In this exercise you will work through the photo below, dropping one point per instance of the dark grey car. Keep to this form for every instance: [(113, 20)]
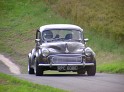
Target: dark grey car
[(61, 47)]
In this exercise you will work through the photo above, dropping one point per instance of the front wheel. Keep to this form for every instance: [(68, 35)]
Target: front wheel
[(91, 70), (30, 69), (38, 69)]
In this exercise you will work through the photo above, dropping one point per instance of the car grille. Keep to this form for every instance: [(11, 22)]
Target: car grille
[(66, 59)]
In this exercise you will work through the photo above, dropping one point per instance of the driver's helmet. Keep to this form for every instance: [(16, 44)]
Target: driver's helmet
[(47, 34)]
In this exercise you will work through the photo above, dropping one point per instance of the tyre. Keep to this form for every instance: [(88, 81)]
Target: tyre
[(30, 69), (38, 69), (91, 70)]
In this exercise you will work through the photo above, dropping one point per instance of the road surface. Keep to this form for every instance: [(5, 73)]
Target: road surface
[(100, 83)]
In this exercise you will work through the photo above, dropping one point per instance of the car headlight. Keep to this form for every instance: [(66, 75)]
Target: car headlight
[(45, 52), (88, 52)]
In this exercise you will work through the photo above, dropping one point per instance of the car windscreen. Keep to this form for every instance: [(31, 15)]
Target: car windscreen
[(61, 35)]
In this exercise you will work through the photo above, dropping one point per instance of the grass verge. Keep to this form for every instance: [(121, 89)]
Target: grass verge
[(12, 84), (103, 16), (115, 67)]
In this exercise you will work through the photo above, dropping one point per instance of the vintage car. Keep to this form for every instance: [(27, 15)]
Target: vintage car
[(61, 47)]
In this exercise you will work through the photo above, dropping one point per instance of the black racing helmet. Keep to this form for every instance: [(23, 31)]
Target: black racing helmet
[(47, 34)]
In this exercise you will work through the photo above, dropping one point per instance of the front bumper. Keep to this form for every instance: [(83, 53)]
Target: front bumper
[(82, 64)]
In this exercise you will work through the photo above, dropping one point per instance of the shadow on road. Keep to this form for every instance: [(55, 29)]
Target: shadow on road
[(64, 75)]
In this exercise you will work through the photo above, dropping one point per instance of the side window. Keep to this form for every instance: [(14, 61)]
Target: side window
[(38, 36)]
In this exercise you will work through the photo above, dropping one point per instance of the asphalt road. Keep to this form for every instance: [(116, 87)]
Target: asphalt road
[(74, 83)]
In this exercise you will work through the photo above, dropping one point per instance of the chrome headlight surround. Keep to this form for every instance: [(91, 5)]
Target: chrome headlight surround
[(88, 52), (45, 52)]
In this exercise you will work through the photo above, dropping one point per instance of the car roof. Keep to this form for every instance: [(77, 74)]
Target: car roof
[(59, 26)]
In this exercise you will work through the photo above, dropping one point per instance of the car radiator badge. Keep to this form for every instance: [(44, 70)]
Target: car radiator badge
[(66, 48)]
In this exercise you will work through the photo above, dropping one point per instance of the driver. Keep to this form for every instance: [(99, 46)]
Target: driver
[(47, 35)]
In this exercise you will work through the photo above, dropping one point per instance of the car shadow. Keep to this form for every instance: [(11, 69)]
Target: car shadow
[(64, 75)]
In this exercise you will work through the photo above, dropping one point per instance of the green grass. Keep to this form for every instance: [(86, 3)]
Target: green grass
[(13, 84), (103, 16), (115, 67), (19, 20)]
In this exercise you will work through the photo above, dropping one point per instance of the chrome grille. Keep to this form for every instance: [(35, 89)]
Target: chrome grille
[(66, 59)]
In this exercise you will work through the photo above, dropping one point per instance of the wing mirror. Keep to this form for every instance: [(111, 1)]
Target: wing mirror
[(37, 40), (86, 40)]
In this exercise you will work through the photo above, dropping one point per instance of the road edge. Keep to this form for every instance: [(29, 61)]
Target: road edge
[(12, 66)]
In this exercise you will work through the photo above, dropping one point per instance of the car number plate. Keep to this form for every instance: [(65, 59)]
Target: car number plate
[(67, 67), (72, 67)]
